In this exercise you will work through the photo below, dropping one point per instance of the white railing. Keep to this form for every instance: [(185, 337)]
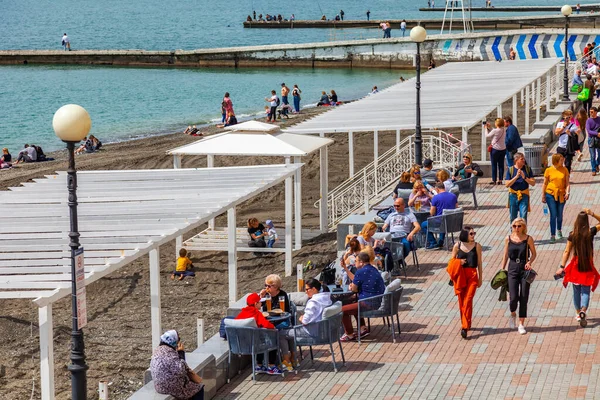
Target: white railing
[(375, 181)]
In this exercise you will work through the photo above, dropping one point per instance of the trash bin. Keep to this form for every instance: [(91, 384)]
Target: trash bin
[(536, 157)]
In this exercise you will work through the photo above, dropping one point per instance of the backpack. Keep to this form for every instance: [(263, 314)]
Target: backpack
[(277, 101), (222, 332), (328, 274)]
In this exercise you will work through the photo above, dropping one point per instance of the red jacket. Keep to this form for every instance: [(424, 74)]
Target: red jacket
[(572, 274), (457, 275), (252, 312)]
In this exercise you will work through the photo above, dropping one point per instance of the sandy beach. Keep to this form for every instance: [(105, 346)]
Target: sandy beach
[(118, 335)]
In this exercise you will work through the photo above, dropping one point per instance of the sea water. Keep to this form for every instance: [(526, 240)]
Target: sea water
[(126, 103)]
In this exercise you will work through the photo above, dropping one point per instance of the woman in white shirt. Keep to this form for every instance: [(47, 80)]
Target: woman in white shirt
[(566, 130), (497, 149)]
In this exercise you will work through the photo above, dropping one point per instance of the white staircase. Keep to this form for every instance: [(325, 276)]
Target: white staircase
[(376, 181)]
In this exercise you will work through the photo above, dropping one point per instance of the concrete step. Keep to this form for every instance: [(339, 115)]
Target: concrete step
[(540, 135)]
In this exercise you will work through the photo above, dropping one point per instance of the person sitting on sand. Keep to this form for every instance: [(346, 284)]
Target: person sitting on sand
[(28, 154), (257, 233), (184, 266), (191, 130), (324, 99), (231, 119), (333, 98), (5, 159)]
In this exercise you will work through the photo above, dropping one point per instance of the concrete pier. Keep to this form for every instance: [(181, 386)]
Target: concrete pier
[(584, 8), (395, 53), (516, 22)]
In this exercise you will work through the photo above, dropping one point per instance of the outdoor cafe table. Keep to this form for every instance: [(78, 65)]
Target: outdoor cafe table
[(422, 214), (279, 318)]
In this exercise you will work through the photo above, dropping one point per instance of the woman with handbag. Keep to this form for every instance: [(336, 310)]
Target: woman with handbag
[(566, 130), (519, 253), (468, 251), (581, 271), (497, 149), (555, 192)]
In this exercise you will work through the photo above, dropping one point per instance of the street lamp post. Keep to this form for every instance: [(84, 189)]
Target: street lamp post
[(566, 10), (71, 124), (418, 34)]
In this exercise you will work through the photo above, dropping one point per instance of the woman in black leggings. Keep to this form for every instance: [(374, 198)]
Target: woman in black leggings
[(519, 252)]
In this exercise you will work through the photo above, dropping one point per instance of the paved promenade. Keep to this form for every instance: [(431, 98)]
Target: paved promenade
[(556, 359)]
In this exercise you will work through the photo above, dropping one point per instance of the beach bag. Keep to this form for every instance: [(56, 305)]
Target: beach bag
[(576, 88), (584, 95), (383, 214), (328, 274)]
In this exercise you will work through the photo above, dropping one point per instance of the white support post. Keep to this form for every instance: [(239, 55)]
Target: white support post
[(538, 99), (298, 205), (176, 161), (483, 143), (155, 296), (210, 163), (232, 255), (46, 352), (351, 154), (548, 91), (365, 192), (397, 140), (288, 225), (556, 85), (375, 147), (178, 245), (324, 208), (532, 92), (527, 97), (465, 135), (514, 110), (499, 111), (522, 101), (200, 331)]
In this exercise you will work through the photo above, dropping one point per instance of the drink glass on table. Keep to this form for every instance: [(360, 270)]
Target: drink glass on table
[(268, 301), (417, 205), (282, 303), (301, 284)]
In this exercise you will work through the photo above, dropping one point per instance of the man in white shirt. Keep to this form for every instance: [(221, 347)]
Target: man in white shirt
[(272, 117), (403, 225), (65, 42), (403, 27), (28, 154)]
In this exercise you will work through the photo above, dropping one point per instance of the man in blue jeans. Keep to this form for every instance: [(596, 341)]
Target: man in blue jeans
[(512, 142), (441, 201), (519, 179), (403, 225)]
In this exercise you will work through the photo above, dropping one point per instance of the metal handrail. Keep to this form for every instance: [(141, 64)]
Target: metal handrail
[(375, 181)]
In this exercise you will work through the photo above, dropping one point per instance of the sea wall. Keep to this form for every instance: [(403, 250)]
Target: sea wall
[(371, 53)]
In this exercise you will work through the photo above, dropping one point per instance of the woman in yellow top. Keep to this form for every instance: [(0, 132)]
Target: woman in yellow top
[(555, 193)]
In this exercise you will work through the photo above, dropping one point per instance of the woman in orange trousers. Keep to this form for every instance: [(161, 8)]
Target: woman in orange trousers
[(469, 252)]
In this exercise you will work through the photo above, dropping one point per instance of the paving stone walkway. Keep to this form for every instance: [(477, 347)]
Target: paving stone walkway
[(556, 359)]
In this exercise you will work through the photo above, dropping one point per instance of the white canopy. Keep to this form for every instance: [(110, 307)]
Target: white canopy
[(454, 95), (253, 126), (123, 215), (253, 144)]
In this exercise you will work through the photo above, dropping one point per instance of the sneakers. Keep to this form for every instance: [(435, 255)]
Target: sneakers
[(463, 333), (287, 366), (580, 157), (260, 369), (274, 370), (582, 321), (522, 330), (512, 321), (559, 235), (347, 338), (364, 332), (578, 318), (552, 239)]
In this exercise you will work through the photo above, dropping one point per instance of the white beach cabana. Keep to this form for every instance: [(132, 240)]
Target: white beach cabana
[(123, 215), (254, 138), (455, 95)]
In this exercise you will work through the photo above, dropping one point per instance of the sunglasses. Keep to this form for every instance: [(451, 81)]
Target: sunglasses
[(517, 226), (471, 233), (269, 286), (306, 289)]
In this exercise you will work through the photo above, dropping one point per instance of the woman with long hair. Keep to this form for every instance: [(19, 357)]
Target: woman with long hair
[(580, 121), (348, 260), (415, 173), (420, 193), (581, 271), (498, 149), (469, 252), (555, 193), (365, 236), (519, 254)]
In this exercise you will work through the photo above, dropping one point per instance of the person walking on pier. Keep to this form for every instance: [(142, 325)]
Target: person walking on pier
[(66, 43), (403, 27), (513, 141), (519, 178), (497, 149), (592, 126), (555, 193), (342, 14), (368, 15)]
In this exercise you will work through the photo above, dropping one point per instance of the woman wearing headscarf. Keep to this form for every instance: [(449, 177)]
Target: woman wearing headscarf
[(170, 373)]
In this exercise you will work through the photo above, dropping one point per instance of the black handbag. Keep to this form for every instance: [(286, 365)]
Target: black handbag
[(529, 276), (595, 142), (328, 274)]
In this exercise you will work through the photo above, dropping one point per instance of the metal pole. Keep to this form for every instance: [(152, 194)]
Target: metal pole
[(77, 367), (418, 140), (566, 73)]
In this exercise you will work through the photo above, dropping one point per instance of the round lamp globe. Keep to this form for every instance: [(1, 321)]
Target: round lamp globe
[(566, 10), (71, 123), (418, 34)]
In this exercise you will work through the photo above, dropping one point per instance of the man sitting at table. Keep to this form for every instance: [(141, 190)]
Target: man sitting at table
[(367, 282), (441, 201), (403, 225)]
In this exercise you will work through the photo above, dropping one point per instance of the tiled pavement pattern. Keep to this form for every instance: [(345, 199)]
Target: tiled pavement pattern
[(556, 359)]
